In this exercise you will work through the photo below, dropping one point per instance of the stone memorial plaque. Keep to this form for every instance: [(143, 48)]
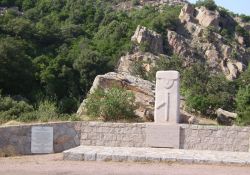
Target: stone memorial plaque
[(41, 140), (167, 98), (163, 135)]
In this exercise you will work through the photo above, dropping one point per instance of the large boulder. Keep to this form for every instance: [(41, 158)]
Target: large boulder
[(225, 117), (207, 17), (201, 15), (187, 14), (127, 62), (142, 89), (180, 46), (150, 38)]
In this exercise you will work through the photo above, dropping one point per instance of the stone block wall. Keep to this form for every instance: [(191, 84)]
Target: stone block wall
[(16, 140), (113, 134), (219, 138)]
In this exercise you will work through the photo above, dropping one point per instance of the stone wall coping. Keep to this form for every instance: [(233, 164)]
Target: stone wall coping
[(39, 124), (215, 127), (90, 123), (93, 123)]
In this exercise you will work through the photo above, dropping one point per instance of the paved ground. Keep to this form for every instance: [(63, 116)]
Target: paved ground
[(54, 165), (133, 154)]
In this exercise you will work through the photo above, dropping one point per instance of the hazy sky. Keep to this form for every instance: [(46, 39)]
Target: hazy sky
[(239, 6)]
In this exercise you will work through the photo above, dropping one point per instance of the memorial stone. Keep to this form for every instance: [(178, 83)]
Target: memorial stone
[(167, 96)]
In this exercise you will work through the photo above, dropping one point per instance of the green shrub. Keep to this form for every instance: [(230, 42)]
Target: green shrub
[(243, 105), (11, 109), (144, 47), (245, 34), (209, 4), (139, 70), (206, 92), (135, 2), (47, 111), (112, 105), (172, 63), (245, 18)]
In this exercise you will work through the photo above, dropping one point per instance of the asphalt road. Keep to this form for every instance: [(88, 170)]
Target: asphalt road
[(54, 165)]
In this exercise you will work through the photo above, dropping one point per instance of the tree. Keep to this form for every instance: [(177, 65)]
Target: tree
[(16, 69), (209, 4), (243, 105)]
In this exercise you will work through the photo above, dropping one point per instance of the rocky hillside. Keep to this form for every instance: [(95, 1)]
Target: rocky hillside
[(212, 37), (51, 52)]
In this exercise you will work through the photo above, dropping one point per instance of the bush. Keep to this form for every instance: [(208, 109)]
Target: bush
[(172, 63), (135, 2), (46, 111), (209, 4), (245, 34), (205, 92), (12, 110), (245, 18), (112, 105), (243, 105), (139, 70)]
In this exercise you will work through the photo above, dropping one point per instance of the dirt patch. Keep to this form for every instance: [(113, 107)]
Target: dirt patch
[(53, 164)]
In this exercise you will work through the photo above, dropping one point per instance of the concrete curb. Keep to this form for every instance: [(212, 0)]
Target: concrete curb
[(133, 154)]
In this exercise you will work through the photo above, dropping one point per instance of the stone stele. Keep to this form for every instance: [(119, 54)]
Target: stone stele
[(167, 97)]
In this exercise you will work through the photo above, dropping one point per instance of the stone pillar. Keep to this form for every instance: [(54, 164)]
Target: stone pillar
[(167, 97)]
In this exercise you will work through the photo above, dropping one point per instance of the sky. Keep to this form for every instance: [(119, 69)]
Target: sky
[(239, 6)]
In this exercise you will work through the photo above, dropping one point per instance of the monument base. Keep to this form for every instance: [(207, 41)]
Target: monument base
[(163, 135)]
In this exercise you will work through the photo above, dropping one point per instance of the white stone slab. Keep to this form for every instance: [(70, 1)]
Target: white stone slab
[(41, 140), (167, 97), (163, 135)]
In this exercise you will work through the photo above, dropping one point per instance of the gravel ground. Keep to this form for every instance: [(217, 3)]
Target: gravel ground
[(54, 165)]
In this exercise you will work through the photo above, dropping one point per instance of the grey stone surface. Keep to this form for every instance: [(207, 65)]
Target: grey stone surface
[(100, 153), (41, 139), (163, 135), (167, 97), (16, 140), (114, 134)]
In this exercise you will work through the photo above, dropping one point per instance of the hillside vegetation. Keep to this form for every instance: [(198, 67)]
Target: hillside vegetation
[(51, 51)]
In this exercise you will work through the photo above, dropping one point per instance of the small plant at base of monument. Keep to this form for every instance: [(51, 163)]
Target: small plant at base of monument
[(111, 105)]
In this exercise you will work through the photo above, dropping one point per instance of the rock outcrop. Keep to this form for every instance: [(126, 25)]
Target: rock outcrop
[(199, 41), (127, 62), (225, 117), (207, 17), (142, 89), (150, 39)]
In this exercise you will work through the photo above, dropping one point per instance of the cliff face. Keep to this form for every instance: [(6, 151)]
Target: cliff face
[(197, 37), (200, 36)]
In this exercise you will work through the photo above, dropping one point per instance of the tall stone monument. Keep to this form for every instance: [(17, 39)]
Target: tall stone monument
[(165, 131), (167, 97)]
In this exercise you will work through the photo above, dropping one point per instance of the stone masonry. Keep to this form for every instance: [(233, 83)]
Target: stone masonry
[(219, 138), (16, 140), (113, 134)]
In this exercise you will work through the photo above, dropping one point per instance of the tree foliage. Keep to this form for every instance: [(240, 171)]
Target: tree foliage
[(209, 4), (54, 49)]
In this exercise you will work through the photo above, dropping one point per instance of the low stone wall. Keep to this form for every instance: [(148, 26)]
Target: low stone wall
[(219, 138), (113, 134), (197, 137), (16, 140)]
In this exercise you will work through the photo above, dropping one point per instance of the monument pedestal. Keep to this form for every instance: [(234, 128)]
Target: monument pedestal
[(163, 135)]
